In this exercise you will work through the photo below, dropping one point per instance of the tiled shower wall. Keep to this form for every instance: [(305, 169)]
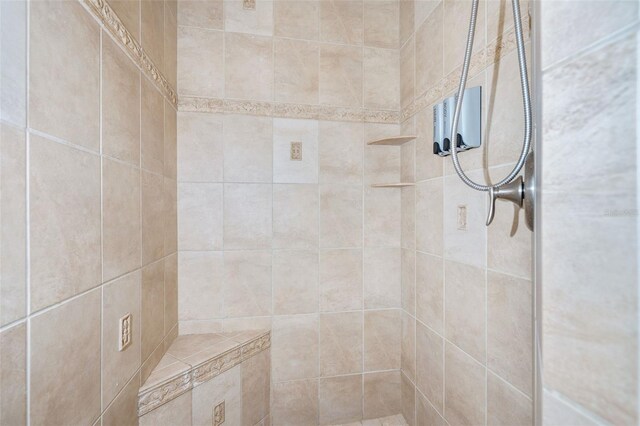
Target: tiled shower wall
[(89, 228), (589, 53), (306, 247), (467, 354)]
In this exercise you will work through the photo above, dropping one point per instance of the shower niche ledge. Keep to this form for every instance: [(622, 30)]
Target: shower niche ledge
[(217, 374), (393, 140)]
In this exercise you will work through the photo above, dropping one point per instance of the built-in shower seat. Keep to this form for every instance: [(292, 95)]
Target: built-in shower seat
[(202, 376)]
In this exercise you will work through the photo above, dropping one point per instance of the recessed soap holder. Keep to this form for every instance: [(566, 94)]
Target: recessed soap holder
[(469, 123)]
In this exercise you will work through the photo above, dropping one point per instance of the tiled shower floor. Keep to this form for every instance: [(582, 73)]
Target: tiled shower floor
[(397, 420)]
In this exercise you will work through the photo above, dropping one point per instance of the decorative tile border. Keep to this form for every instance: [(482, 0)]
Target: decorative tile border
[(479, 61), (176, 386), (275, 109), (105, 14)]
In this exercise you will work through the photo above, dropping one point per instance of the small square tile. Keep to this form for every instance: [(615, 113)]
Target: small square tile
[(286, 131)]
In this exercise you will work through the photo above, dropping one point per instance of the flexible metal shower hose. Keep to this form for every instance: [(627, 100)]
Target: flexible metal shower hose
[(526, 98)]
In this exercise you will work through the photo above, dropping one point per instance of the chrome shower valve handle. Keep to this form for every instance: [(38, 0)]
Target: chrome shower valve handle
[(513, 191)]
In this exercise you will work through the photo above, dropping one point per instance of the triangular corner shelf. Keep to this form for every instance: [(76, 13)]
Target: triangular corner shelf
[(393, 141)]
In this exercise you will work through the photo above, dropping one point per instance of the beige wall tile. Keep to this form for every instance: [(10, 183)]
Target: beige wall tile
[(381, 87), (152, 29), (340, 280), (200, 62), (509, 329), (340, 343), (248, 148), (256, 391), (340, 216), (120, 104), (340, 151), (200, 147), (48, 43), (408, 348), (247, 213), (381, 24), (408, 281), (509, 240), (341, 21), (296, 19), (253, 21), (558, 412), (153, 214), (465, 308), (65, 237), (79, 382), (247, 283), (340, 399), (430, 291), (124, 409), (599, 236), (340, 75), (13, 225), (382, 395), (407, 14), (465, 244), (500, 17), (295, 216), (13, 105), (120, 297), (407, 70), (408, 218), (454, 44), (505, 405), (248, 66), (382, 217), (170, 292), (152, 305), (170, 201), (464, 388), (13, 373), (152, 128), (286, 170), (129, 13), (171, 42), (504, 112), (425, 413), (175, 412), (430, 365), (295, 281), (170, 141), (295, 347), (587, 26), (227, 388), (382, 340), (382, 274), (408, 398), (200, 216), (381, 163), (203, 14), (296, 67), (121, 224), (295, 403), (429, 216), (429, 51), (201, 278)]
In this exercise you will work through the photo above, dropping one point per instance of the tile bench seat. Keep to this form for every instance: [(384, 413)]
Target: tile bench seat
[(194, 359)]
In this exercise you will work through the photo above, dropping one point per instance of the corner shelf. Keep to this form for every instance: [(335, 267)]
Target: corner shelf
[(392, 185), (392, 141)]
